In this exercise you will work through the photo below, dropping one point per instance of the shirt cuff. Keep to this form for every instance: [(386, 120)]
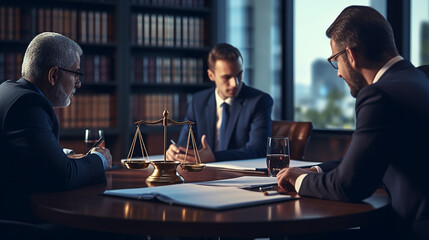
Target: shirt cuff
[(68, 151), (103, 159), (298, 182), (318, 169)]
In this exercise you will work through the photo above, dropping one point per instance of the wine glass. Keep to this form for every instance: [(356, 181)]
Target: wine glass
[(278, 156), (91, 137)]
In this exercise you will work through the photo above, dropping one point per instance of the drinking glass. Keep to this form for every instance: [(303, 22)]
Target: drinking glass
[(91, 137), (277, 154)]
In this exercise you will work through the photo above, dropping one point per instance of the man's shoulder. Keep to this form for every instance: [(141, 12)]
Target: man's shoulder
[(17, 92), (201, 97), (248, 93)]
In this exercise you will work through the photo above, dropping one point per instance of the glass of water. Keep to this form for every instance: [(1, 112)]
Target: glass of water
[(278, 156)]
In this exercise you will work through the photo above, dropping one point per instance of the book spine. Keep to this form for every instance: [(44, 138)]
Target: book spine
[(97, 27), (104, 27), (160, 27), (146, 32), (90, 23), (185, 33), (178, 31), (153, 30), (83, 25), (2, 22)]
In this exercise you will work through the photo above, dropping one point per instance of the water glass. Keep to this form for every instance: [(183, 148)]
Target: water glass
[(278, 156)]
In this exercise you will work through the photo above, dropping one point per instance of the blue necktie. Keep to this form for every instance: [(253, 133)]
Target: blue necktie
[(223, 126)]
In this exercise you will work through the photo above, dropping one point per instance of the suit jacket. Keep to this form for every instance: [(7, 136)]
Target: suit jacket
[(249, 124), (32, 161), (390, 146)]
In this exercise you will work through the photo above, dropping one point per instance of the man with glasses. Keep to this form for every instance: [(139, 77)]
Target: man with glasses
[(390, 146), (32, 161)]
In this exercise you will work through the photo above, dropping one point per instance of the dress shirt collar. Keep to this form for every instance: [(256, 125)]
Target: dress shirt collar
[(219, 100), (386, 67)]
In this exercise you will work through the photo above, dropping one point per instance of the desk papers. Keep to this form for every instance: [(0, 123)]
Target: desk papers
[(258, 164), (201, 196), (242, 182)]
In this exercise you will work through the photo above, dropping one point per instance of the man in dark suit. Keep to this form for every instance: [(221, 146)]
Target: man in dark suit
[(390, 145), (232, 120), (32, 161)]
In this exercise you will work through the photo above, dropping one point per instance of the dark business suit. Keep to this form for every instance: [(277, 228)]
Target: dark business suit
[(32, 160), (249, 124), (390, 146)]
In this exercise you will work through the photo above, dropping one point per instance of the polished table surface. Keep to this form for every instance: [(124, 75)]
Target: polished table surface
[(85, 208)]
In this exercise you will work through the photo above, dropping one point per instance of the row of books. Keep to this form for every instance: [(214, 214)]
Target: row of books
[(150, 107), (13, 25), (171, 3), (89, 111), (97, 68), (164, 70), (80, 25), (167, 30), (83, 26), (10, 65)]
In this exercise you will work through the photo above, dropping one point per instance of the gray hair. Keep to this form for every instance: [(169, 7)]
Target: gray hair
[(46, 50)]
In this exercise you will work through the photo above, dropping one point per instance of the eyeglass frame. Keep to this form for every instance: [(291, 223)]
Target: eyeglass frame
[(77, 74), (334, 56)]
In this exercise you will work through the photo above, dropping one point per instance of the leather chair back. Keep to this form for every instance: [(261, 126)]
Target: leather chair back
[(298, 134)]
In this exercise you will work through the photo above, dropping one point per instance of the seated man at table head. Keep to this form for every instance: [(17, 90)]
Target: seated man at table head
[(390, 144), (32, 161), (232, 119)]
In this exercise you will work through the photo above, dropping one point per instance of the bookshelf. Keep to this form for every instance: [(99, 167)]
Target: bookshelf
[(139, 57)]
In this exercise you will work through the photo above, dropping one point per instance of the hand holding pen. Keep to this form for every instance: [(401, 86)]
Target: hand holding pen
[(97, 144)]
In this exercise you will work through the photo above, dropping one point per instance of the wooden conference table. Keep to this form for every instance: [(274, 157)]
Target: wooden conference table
[(84, 208)]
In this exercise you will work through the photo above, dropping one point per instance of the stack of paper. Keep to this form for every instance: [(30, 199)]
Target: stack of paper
[(215, 195)]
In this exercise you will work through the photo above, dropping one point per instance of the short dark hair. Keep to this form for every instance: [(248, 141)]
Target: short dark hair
[(364, 29), (223, 51)]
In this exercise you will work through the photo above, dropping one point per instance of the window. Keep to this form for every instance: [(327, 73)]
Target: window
[(254, 28), (319, 95), (420, 32)]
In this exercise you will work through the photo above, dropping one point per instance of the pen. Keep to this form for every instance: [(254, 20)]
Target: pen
[(270, 193), (100, 140), (266, 188), (173, 142)]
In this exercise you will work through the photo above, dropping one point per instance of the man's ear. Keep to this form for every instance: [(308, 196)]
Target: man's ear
[(353, 57), (53, 75), (211, 75)]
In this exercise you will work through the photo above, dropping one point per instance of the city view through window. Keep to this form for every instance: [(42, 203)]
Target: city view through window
[(320, 96)]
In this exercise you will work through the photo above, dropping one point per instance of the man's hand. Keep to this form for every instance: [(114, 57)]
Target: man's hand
[(106, 153), (287, 176), (176, 153), (206, 153)]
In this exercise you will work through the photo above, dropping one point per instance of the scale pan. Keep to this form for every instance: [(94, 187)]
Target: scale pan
[(136, 164), (187, 167)]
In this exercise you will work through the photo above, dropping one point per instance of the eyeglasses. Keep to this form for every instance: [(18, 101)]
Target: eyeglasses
[(77, 75), (334, 63)]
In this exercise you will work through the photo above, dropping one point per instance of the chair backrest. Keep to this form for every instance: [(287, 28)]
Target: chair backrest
[(298, 134)]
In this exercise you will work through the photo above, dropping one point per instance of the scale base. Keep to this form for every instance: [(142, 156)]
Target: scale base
[(165, 172)]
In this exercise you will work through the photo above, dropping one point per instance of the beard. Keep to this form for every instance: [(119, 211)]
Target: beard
[(61, 98), (355, 81)]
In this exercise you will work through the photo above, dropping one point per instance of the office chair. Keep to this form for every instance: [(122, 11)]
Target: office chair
[(298, 134)]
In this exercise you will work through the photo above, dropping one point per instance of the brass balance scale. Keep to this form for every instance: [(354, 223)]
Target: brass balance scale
[(164, 171)]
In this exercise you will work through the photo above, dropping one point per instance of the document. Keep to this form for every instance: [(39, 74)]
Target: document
[(258, 164), (201, 196), (242, 182)]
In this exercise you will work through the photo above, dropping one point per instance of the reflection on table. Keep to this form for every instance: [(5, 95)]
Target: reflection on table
[(85, 208)]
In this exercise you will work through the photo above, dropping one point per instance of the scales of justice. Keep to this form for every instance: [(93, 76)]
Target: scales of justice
[(164, 171)]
